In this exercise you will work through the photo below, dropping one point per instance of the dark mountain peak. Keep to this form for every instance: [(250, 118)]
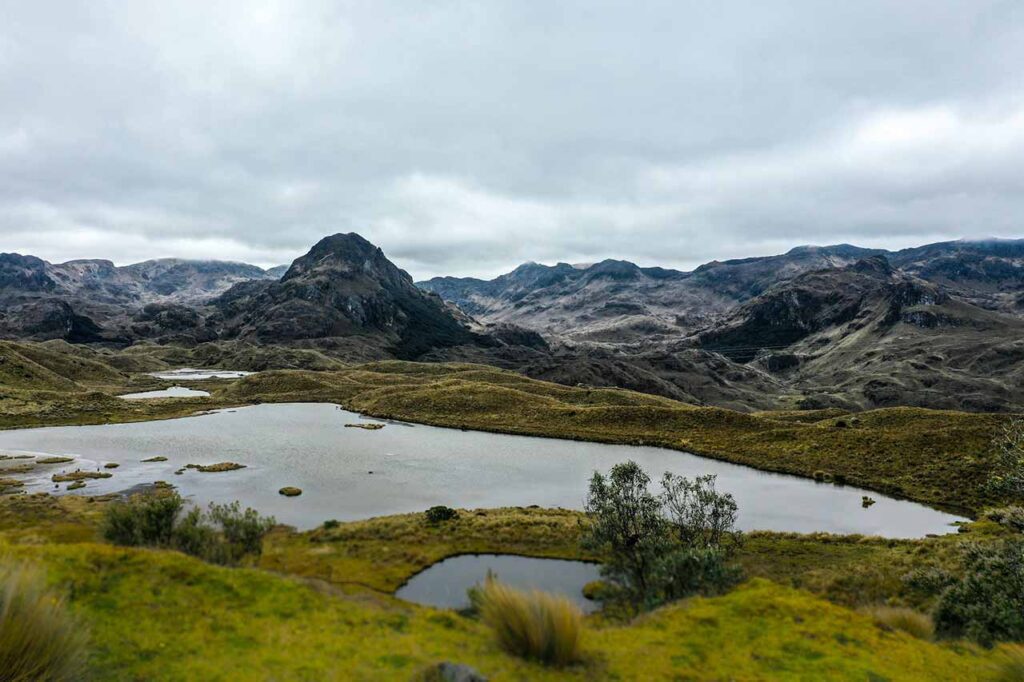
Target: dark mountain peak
[(26, 273), (614, 269), (873, 265), (345, 255)]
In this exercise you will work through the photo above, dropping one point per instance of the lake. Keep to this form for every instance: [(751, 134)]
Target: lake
[(444, 584), (172, 392), (353, 473)]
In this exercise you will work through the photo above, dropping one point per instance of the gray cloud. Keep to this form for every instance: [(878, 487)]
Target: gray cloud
[(465, 137)]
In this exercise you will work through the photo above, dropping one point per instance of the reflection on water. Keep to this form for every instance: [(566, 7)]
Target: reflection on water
[(445, 583), (188, 374), (349, 473), (172, 392)]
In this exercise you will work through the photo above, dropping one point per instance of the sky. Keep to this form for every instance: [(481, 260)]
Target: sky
[(466, 137)]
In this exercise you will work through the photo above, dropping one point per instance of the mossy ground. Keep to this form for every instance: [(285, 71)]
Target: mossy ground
[(318, 605), (156, 614), (938, 457)]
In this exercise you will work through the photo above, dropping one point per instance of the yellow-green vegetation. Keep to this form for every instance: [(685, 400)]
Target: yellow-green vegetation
[(158, 614), (158, 458), (39, 640), (215, 468), (912, 622), (290, 491), (54, 460), (938, 457), (533, 625), (75, 476), (368, 427)]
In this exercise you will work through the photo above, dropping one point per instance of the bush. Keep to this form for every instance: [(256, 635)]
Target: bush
[(1008, 471), (987, 603), (39, 640), (1009, 517), (224, 534), (147, 520), (440, 513), (665, 547), (914, 623), (534, 625)]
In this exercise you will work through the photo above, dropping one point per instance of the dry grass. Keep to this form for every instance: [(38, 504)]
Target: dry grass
[(900, 618), (38, 638), (532, 625), (1010, 667)]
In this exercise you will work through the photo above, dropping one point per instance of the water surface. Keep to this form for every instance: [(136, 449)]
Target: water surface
[(172, 392), (189, 374), (350, 473), (445, 583)]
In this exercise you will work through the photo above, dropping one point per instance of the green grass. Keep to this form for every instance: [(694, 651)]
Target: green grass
[(533, 625), (39, 640)]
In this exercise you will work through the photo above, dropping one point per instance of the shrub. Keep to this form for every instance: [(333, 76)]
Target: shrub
[(147, 520), (224, 534), (1009, 517), (912, 622), (1008, 471), (987, 603), (331, 524), (39, 640), (664, 547), (243, 530), (534, 625), (440, 513)]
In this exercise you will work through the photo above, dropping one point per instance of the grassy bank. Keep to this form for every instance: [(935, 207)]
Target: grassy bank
[(937, 457), (320, 607)]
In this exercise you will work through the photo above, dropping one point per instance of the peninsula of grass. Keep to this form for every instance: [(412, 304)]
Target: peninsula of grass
[(937, 457)]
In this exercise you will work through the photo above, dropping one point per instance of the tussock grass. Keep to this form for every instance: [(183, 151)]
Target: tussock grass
[(533, 625), (914, 623), (39, 640), (1010, 666)]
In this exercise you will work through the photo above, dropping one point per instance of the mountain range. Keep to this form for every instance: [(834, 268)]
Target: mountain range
[(940, 325)]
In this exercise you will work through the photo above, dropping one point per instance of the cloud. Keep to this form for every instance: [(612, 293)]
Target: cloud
[(465, 138)]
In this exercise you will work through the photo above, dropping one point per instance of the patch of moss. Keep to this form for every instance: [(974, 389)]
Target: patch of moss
[(215, 468), (78, 476), (54, 460), (158, 458), (368, 427), (290, 491)]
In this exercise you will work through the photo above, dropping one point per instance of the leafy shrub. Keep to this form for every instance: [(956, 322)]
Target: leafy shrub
[(147, 520), (1008, 471), (661, 547), (1009, 517), (331, 524), (534, 625), (224, 534), (912, 622), (440, 513), (39, 640), (987, 603)]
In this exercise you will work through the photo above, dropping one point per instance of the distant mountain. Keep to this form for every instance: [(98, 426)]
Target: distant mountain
[(343, 287), (617, 301)]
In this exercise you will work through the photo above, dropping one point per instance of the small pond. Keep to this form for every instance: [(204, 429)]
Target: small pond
[(189, 374), (172, 392), (355, 473), (445, 583)]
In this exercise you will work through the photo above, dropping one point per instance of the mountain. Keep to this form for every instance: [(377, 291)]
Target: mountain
[(343, 287), (616, 301)]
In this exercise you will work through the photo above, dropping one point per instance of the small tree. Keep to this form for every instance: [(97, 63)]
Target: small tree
[(987, 603), (662, 547), (701, 517), (1008, 474), (628, 527)]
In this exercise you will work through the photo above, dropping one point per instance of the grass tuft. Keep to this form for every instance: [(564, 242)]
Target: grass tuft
[(1010, 667), (533, 625), (39, 640), (914, 623)]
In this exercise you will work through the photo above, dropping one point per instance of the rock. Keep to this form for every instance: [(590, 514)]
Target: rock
[(452, 672), (290, 491)]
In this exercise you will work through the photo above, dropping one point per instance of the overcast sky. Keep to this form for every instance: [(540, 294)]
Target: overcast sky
[(467, 137)]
